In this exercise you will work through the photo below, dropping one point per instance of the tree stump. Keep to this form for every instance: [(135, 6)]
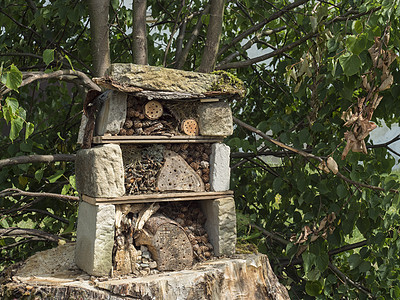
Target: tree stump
[(168, 243)]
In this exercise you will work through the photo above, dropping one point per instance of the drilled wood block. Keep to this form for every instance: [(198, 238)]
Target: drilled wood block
[(168, 243), (153, 110), (177, 175)]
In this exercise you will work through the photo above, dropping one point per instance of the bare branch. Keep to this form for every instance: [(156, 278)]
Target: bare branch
[(270, 235), (26, 159), (139, 32), (345, 278), (348, 247), (27, 232), (268, 138), (250, 43), (17, 192), (260, 25), (242, 64), (308, 156), (30, 77), (44, 212), (209, 56)]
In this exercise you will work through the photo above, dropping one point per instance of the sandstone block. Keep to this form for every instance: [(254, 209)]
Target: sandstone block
[(112, 115), (221, 224), (215, 119), (100, 172), (95, 238), (219, 167)]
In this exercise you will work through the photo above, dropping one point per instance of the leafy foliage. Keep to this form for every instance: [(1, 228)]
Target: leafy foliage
[(297, 95)]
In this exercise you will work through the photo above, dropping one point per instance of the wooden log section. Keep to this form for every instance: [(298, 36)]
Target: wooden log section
[(167, 197), (153, 110), (168, 243)]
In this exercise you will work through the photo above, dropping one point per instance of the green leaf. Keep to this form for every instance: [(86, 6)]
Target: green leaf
[(29, 129), (364, 266), (53, 178), (13, 78), (350, 63), (48, 56), (357, 26), (16, 127), (341, 191), (39, 174), (314, 288), (12, 104), (263, 126), (354, 260)]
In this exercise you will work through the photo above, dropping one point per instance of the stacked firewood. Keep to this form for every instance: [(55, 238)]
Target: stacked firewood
[(191, 218), (197, 156), (138, 122)]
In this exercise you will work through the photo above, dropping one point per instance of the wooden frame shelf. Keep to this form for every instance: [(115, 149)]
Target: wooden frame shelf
[(153, 139), (166, 197)]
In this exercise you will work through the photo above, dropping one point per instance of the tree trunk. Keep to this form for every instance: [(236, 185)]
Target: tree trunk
[(209, 57), (139, 32), (98, 13)]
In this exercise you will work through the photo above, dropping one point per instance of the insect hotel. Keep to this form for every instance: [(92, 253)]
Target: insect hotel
[(154, 183)]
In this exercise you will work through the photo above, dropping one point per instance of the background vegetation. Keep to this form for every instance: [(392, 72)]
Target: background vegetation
[(329, 226)]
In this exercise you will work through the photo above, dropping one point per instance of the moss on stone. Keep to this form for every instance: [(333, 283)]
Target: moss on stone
[(228, 83)]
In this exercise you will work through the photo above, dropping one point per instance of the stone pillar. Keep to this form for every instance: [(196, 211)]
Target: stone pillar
[(100, 171), (221, 224), (220, 171), (95, 238)]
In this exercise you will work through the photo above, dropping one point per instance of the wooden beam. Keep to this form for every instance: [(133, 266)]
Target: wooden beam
[(140, 139), (167, 197)]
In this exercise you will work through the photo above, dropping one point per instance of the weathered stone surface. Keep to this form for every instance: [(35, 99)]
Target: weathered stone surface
[(100, 172), (163, 79), (215, 119), (220, 171), (242, 277), (112, 115), (221, 224), (95, 238)]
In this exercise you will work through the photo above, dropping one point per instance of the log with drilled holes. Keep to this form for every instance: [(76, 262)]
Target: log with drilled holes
[(168, 243)]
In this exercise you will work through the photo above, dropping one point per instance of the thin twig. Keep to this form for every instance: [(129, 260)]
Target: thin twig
[(17, 192), (26, 159), (270, 235), (28, 232)]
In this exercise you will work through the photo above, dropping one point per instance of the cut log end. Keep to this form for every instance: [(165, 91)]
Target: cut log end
[(190, 127), (153, 110)]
